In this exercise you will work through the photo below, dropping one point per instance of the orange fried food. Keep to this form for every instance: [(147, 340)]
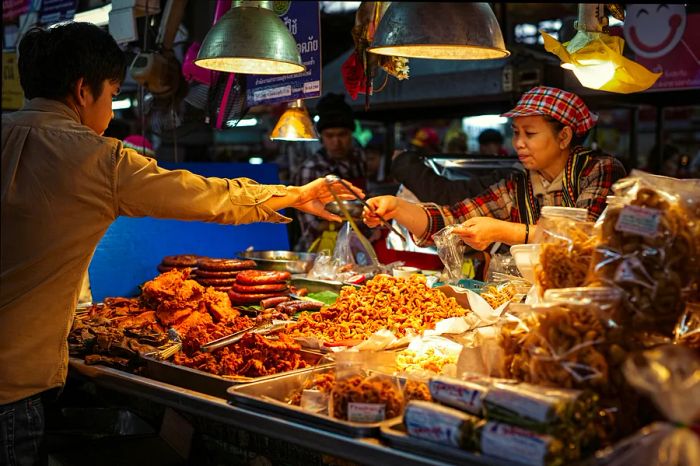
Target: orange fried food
[(252, 356), (397, 304), (138, 320), (201, 332)]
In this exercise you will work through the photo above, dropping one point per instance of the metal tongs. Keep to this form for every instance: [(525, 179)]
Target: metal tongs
[(265, 329), (334, 178)]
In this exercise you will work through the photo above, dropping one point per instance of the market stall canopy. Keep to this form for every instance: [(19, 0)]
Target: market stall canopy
[(442, 86)]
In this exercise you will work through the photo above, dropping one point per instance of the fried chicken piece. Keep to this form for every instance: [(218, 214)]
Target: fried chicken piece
[(136, 321), (219, 305), (172, 286)]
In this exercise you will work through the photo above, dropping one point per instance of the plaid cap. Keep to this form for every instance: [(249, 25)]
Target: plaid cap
[(566, 107)]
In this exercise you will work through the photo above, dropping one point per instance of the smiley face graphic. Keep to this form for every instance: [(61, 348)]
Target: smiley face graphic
[(653, 30)]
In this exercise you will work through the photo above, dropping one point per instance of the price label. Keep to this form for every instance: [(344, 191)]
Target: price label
[(638, 220)]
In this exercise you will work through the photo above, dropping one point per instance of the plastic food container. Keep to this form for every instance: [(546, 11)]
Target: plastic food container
[(526, 256)]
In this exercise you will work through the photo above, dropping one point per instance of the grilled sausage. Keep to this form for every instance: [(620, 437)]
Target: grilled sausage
[(292, 307), (262, 277), (272, 302), (251, 298), (262, 288)]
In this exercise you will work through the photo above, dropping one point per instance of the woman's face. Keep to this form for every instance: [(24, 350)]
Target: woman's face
[(537, 144)]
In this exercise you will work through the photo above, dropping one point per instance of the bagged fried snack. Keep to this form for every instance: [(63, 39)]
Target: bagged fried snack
[(465, 395), (365, 389), (441, 424), (506, 441), (649, 247), (451, 252), (566, 246), (315, 390), (415, 387), (670, 375)]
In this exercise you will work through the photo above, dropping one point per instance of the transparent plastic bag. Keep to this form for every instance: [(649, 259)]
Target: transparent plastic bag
[(566, 247), (366, 389), (325, 267), (687, 332), (314, 391), (352, 247), (650, 248), (670, 376), (451, 251)]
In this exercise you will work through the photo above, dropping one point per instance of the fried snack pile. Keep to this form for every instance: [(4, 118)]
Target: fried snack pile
[(252, 356), (181, 303), (377, 390), (561, 349), (651, 269), (416, 390), (565, 255), (398, 304), (431, 359), (202, 333)]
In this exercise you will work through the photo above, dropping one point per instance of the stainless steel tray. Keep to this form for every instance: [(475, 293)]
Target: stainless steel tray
[(269, 396), (204, 382), (314, 285), (394, 433), (289, 261)]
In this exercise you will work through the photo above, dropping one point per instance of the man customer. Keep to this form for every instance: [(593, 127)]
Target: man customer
[(63, 184)]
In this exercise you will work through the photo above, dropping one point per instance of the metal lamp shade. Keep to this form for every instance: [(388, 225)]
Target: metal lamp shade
[(448, 31), (250, 40), (294, 125)]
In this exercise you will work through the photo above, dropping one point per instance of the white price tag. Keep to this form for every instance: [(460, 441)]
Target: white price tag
[(638, 220), (366, 412)]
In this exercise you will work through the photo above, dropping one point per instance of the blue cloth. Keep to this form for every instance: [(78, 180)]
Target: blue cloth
[(132, 248)]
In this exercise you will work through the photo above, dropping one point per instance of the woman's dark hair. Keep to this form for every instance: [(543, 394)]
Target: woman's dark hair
[(52, 60), (557, 126)]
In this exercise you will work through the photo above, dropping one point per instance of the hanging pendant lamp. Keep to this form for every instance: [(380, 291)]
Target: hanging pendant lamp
[(294, 124), (447, 31), (250, 39)]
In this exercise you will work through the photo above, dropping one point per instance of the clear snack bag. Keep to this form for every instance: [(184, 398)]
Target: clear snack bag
[(365, 389), (650, 248), (451, 252), (566, 248), (670, 376)]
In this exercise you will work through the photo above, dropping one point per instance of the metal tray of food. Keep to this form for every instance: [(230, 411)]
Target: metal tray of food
[(211, 384), (314, 286), (269, 396), (290, 261), (394, 433)]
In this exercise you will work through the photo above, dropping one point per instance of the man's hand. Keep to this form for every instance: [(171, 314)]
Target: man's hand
[(313, 197), (479, 232)]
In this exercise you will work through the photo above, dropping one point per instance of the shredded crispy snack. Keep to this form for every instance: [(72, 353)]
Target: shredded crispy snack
[(431, 359), (371, 390), (398, 304), (565, 255), (416, 390), (496, 295)]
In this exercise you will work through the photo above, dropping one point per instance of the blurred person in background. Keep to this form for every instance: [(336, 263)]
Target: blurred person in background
[(338, 155), (491, 143), (456, 141)]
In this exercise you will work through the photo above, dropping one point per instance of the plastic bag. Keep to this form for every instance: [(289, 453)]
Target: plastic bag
[(366, 389), (352, 247), (650, 248), (502, 265), (687, 332), (325, 267), (566, 247), (451, 250), (670, 375), (314, 391)]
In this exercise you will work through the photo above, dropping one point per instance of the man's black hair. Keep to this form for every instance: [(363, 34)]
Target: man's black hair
[(52, 60)]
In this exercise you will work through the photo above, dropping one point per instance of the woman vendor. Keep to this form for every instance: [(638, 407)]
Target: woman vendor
[(549, 125)]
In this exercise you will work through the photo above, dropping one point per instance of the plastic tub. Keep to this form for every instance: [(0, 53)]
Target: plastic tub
[(526, 256)]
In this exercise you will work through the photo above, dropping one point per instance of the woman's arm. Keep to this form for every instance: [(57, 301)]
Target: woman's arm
[(480, 232), (408, 214)]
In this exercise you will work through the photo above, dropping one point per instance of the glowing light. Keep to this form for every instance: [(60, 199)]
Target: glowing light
[(242, 123), (593, 74), (121, 104), (255, 160)]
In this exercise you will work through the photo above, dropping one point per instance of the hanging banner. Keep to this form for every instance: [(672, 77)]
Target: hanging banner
[(661, 37), (56, 11), (303, 19), (12, 95), (12, 9)]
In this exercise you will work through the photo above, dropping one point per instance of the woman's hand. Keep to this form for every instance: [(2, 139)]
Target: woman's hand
[(479, 232), (386, 206), (313, 197)]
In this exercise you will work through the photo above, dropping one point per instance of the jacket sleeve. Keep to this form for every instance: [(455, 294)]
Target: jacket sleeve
[(142, 188), (409, 169)]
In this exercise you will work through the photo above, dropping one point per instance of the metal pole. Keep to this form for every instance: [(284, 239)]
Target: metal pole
[(633, 142), (658, 163)]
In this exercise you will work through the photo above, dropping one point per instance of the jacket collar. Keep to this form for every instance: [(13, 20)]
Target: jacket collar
[(50, 105)]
